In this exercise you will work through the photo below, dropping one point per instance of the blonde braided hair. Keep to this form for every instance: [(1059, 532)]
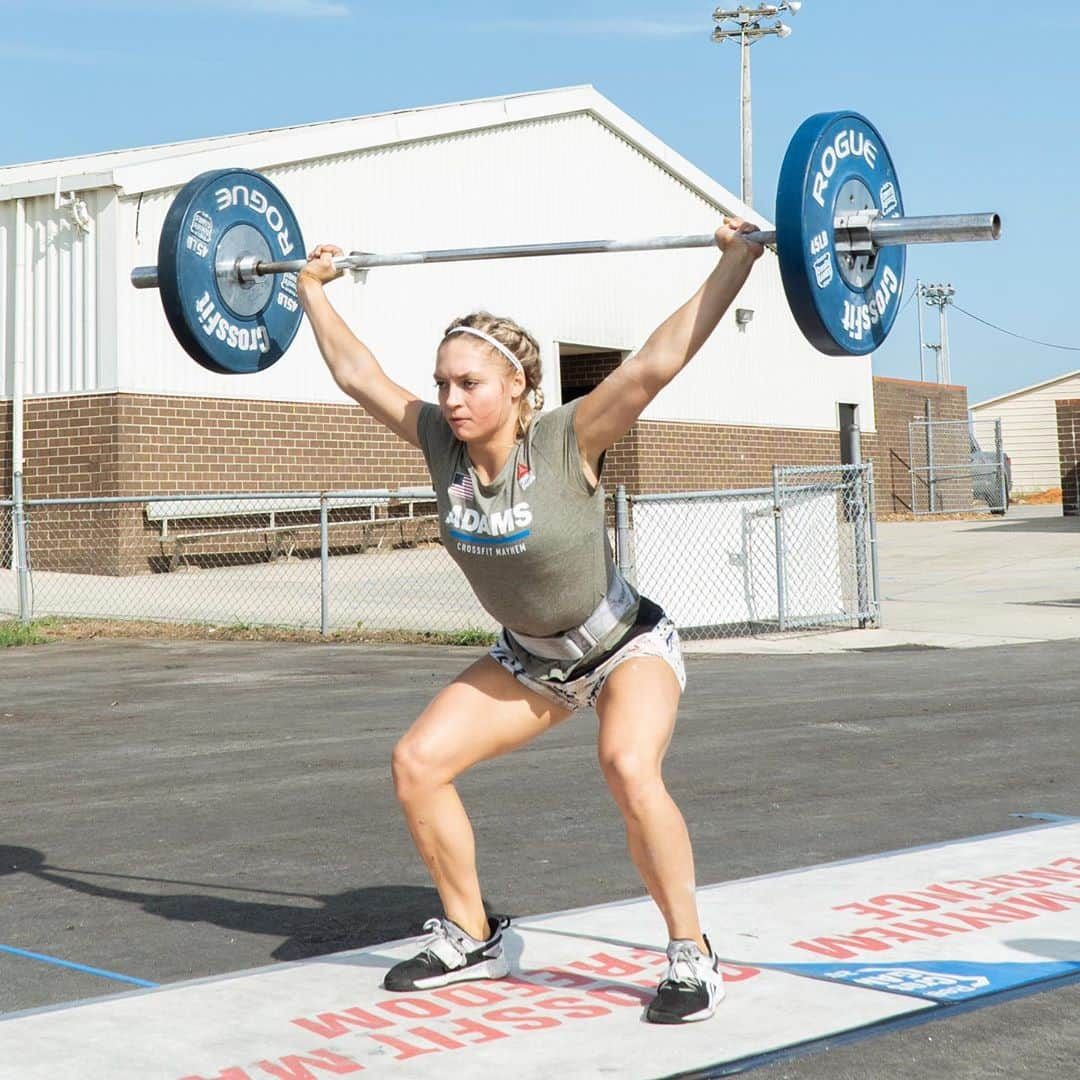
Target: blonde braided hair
[(523, 345)]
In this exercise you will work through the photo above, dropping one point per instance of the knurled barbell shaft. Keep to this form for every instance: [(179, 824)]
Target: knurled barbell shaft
[(883, 232)]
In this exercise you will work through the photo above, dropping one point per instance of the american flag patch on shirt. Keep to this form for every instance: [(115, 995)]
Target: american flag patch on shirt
[(462, 487)]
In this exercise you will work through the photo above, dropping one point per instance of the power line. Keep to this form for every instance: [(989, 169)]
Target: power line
[(1002, 330)]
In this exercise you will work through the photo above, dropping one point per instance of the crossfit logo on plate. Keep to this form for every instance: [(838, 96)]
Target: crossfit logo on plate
[(214, 324), (846, 144), (858, 318), (241, 195)]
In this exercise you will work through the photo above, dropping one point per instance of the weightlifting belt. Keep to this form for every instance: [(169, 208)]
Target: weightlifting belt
[(576, 643)]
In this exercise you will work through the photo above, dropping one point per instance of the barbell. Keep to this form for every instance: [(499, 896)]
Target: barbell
[(231, 247)]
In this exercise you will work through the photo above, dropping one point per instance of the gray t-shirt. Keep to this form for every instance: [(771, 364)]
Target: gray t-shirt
[(532, 544)]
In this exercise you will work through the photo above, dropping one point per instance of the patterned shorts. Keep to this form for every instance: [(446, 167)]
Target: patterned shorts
[(661, 641)]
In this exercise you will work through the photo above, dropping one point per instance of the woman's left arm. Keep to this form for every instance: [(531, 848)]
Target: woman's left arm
[(609, 410)]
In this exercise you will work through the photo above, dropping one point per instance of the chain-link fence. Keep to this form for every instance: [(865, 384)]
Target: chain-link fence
[(958, 466), (7, 538), (340, 560), (373, 560), (730, 563)]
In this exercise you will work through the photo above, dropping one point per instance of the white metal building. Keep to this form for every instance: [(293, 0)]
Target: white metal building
[(1029, 429), (557, 165)]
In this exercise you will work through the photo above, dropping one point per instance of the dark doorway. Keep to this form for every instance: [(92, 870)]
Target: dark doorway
[(581, 367), (850, 450)]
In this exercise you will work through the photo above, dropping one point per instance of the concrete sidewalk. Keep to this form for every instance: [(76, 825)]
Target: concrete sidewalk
[(958, 585)]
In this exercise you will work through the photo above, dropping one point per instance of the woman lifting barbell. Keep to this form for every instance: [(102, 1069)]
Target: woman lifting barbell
[(521, 508)]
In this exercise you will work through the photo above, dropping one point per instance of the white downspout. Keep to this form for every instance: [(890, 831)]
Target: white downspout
[(18, 517)]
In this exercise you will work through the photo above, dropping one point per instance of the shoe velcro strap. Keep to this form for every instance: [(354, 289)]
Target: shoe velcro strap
[(448, 951)]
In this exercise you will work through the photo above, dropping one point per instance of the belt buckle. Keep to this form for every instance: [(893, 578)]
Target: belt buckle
[(581, 639)]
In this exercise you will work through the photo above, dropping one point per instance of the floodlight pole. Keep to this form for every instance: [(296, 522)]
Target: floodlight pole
[(748, 29), (940, 296), (746, 139)]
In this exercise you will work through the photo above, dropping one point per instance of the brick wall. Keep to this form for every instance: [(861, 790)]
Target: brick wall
[(6, 538), (5, 449), (124, 444), (896, 403), (1068, 432), (127, 444), (659, 456)]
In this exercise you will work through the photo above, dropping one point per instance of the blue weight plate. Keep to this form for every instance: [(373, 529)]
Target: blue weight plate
[(837, 162), (225, 326)]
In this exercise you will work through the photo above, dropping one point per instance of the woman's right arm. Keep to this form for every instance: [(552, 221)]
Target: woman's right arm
[(351, 363)]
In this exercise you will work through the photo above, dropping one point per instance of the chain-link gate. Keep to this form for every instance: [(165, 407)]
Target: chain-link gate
[(760, 560), (957, 466)]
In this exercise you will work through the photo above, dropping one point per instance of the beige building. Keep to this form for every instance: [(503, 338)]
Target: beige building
[(1029, 429)]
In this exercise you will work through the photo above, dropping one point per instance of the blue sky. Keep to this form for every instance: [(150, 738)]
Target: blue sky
[(978, 104)]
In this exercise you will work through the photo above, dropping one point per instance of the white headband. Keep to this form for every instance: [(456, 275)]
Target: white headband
[(491, 341)]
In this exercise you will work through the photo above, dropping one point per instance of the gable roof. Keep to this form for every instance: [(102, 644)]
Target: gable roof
[(1025, 389), (153, 168)]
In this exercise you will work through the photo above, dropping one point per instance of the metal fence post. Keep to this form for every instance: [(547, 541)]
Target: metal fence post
[(22, 563), (623, 558), (778, 523), (999, 449), (853, 489), (930, 477), (911, 465), (324, 565), (875, 576)]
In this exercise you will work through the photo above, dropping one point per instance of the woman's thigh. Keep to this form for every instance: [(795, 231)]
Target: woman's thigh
[(637, 710), (483, 713)]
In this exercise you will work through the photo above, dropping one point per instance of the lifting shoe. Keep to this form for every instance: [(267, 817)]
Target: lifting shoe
[(451, 956)]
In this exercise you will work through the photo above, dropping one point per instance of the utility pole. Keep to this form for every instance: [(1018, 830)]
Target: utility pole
[(940, 296), (747, 29)]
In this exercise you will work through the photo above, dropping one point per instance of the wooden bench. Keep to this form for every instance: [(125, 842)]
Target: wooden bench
[(280, 536)]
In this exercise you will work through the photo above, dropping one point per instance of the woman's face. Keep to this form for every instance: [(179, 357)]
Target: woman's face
[(478, 390)]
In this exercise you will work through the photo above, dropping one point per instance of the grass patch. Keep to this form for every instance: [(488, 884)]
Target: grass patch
[(461, 637), (13, 633), (43, 631)]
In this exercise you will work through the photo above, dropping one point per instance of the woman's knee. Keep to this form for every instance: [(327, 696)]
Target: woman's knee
[(416, 768), (634, 778)]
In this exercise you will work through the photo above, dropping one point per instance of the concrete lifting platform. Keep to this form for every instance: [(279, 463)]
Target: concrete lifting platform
[(843, 950)]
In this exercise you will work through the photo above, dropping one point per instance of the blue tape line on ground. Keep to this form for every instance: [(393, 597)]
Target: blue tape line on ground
[(76, 967)]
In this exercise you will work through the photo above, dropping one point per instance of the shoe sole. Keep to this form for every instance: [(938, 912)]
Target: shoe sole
[(692, 1018), (489, 969), (671, 1018)]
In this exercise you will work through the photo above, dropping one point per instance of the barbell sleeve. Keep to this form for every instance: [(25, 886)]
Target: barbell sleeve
[(145, 277), (936, 229)]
